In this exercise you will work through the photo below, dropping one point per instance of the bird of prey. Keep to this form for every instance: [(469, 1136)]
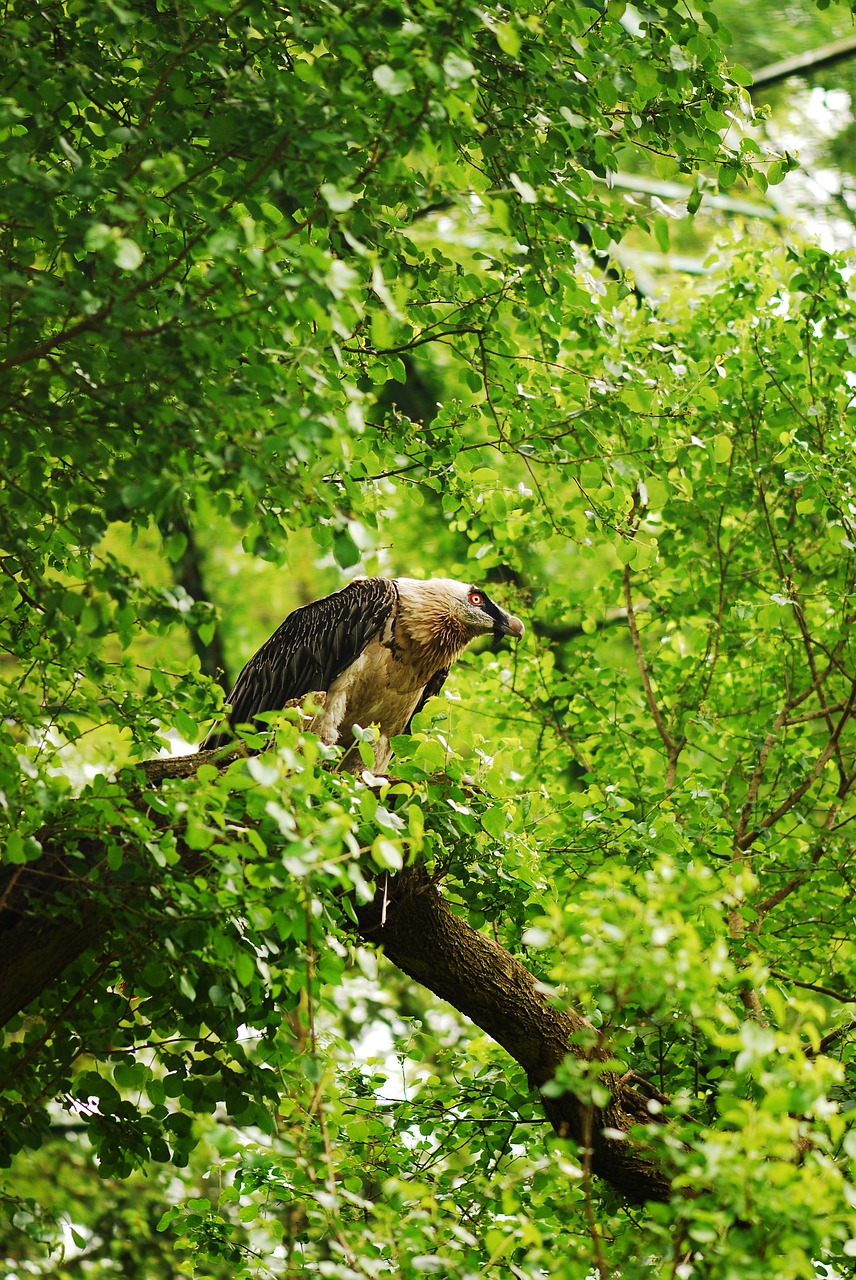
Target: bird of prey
[(372, 653)]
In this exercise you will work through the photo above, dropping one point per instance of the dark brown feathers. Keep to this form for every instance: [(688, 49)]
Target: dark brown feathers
[(377, 650), (313, 646)]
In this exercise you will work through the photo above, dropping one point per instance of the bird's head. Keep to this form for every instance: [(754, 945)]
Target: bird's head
[(482, 615), (445, 615), (467, 606)]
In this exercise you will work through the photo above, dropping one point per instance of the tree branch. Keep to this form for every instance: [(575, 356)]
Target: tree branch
[(673, 747), (803, 64), (416, 927), (423, 938), (744, 841), (814, 986)]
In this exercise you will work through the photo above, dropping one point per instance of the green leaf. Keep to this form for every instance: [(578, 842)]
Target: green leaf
[(14, 850), (666, 166), (245, 968), (391, 81), (345, 550), (154, 974), (656, 492), (175, 546), (19, 849), (740, 75), (336, 198), (128, 255), (507, 38), (722, 448), (590, 475)]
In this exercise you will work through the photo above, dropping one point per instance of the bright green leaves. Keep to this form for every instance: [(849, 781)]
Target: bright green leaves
[(391, 82), (337, 198), (121, 250), (18, 849), (350, 313), (722, 448), (507, 35), (646, 949), (739, 74)]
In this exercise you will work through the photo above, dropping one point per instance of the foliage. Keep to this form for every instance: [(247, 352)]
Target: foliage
[(334, 282)]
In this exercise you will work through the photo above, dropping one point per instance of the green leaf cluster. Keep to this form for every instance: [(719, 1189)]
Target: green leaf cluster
[(290, 293)]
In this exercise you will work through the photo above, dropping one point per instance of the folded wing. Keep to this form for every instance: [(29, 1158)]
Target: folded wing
[(311, 648)]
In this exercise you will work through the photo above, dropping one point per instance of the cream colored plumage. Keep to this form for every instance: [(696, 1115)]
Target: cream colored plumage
[(376, 651)]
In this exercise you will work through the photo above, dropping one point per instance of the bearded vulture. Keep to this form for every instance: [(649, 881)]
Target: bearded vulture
[(373, 653)]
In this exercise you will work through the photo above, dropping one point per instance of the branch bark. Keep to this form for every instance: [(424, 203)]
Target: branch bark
[(423, 937)]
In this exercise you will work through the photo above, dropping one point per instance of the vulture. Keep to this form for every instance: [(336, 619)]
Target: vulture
[(373, 653)]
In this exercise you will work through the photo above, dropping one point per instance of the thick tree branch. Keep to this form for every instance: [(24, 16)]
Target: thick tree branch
[(419, 933), (803, 64), (424, 938)]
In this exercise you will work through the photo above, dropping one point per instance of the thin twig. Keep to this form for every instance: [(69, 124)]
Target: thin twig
[(813, 986), (830, 1038), (673, 747), (811, 777)]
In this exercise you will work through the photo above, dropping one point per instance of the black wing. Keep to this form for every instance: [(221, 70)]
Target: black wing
[(432, 688), (309, 650)]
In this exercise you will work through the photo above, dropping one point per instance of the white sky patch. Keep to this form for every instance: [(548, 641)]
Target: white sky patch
[(809, 197)]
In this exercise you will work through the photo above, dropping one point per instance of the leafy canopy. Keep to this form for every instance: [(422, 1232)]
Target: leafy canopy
[(292, 292)]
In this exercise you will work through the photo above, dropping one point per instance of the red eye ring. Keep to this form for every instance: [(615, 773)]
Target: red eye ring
[(476, 597)]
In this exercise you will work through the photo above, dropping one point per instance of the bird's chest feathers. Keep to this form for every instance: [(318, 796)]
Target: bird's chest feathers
[(381, 687)]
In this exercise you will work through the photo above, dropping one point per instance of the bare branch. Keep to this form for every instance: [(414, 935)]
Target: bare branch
[(803, 64), (830, 1038), (814, 986), (673, 747), (744, 841)]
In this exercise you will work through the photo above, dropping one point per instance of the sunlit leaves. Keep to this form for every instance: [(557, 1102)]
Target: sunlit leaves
[(292, 294)]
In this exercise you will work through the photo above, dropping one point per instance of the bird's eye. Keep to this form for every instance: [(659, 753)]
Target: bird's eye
[(476, 597)]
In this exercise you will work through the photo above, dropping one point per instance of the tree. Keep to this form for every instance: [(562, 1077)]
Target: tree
[(336, 280)]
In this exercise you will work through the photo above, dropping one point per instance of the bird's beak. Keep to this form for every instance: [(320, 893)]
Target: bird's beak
[(509, 626)]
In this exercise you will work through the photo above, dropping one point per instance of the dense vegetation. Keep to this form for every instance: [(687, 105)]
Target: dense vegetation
[(292, 293)]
